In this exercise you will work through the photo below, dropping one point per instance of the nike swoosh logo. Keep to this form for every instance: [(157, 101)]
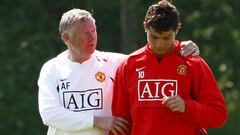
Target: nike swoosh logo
[(63, 79), (139, 69)]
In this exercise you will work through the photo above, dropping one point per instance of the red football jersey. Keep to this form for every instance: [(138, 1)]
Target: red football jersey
[(143, 80)]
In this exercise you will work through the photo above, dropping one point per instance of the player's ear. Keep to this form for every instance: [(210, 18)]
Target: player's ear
[(178, 28), (145, 26)]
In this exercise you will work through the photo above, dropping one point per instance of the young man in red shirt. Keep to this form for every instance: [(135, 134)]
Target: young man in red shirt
[(160, 92)]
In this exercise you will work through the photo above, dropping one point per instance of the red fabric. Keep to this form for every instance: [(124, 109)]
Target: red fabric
[(143, 79)]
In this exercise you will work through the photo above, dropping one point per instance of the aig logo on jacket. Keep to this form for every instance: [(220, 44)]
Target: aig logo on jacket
[(83, 100), (156, 89)]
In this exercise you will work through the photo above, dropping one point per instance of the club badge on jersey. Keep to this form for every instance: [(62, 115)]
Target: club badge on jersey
[(182, 70), (100, 76)]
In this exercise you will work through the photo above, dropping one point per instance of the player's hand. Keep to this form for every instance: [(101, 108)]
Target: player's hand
[(189, 48), (117, 125), (175, 104)]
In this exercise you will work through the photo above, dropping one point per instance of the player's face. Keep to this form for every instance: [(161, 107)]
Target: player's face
[(82, 39), (161, 43)]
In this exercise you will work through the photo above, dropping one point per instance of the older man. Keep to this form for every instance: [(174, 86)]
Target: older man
[(75, 87)]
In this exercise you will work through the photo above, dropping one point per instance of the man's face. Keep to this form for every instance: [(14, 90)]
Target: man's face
[(83, 38), (161, 43)]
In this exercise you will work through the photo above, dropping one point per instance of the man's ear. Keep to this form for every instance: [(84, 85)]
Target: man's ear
[(178, 28), (65, 37), (145, 26), (177, 31)]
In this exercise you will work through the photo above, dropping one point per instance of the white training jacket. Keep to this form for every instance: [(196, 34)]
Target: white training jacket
[(71, 94)]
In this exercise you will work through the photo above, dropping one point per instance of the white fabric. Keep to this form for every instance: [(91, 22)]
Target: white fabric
[(70, 95)]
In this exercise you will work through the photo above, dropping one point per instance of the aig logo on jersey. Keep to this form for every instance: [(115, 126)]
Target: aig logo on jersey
[(83, 100), (156, 89)]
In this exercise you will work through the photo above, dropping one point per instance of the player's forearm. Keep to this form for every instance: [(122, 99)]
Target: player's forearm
[(210, 115)]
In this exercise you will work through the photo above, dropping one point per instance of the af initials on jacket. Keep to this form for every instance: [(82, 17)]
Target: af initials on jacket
[(81, 86), (80, 100), (71, 94)]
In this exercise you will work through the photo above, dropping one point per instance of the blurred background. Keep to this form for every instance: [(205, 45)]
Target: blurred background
[(29, 37)]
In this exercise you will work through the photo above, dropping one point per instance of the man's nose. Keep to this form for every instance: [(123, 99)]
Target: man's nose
[(90, 36), (160, 43)]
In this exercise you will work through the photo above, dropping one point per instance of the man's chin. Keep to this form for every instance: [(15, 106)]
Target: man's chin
[(91, 51)]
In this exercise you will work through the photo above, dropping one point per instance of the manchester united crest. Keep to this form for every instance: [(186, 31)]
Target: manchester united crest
[(100, 76), (182, 70)]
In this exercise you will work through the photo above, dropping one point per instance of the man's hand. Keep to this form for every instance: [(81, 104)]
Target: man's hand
[(188, 48), (175, 104), (117, 125)]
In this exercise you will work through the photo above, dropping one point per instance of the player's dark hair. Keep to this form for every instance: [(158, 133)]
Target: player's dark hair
[(162, 16)]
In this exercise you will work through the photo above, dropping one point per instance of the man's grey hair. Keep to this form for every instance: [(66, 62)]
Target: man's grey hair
[(70, 17)]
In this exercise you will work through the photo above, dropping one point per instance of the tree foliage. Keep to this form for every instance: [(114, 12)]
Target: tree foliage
[(29, 37)]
